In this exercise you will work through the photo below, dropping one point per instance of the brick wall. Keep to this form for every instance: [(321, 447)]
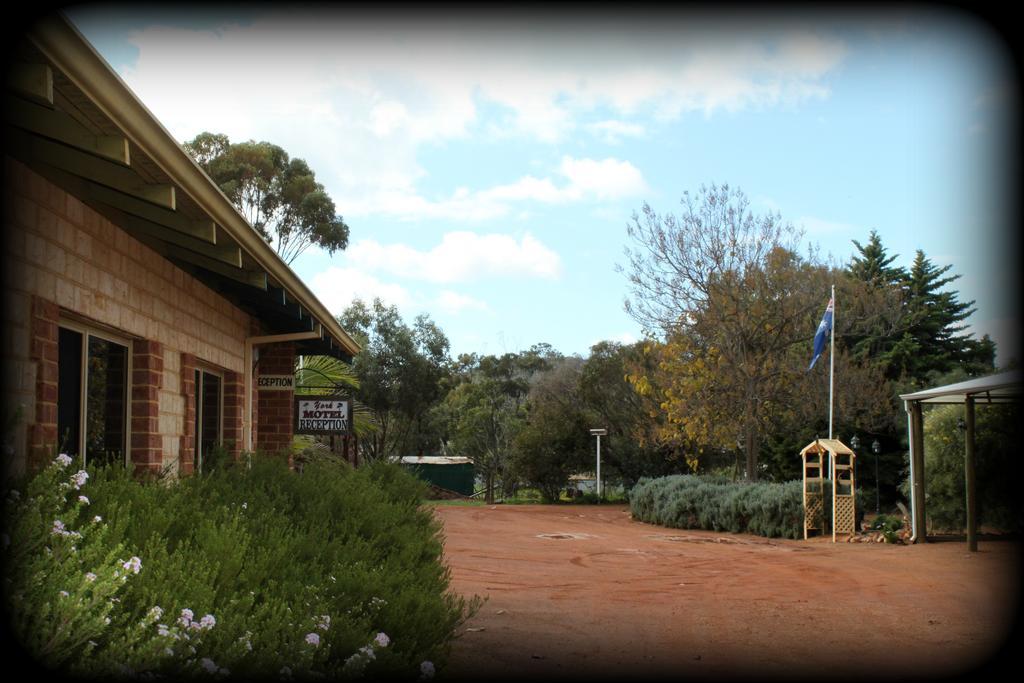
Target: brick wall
[(42, 434), (146, 444), (275, 425), (60, 255)]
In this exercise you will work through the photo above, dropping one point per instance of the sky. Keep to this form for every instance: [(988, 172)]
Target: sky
[(488, 165)]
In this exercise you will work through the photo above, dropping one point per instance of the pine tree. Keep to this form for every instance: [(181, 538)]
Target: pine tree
[(936, 324), (879, 335), (874, 265)]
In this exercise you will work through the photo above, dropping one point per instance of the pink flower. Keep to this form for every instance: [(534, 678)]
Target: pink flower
[(382, 639), (313, 639)]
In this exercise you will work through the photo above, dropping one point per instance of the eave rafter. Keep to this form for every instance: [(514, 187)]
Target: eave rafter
[(74, 150)]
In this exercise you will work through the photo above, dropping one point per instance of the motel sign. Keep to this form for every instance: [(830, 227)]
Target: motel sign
[(323, 415)]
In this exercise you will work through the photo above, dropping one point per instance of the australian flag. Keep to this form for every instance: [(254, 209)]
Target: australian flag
[(824, 329)]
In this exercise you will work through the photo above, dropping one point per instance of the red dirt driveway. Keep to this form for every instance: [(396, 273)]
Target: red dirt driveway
[(587, 593)]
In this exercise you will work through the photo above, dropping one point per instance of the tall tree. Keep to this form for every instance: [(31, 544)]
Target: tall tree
[(402, 372), (637, 444), (936, 323), (279, 196), (554, 441), (732, 298), (484, 411)]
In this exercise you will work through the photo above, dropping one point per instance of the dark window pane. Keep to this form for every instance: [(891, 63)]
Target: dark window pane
[(211, 412), (69, 390), (106, 396)]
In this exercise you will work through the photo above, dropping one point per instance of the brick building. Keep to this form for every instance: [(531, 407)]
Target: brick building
[(139, 307)]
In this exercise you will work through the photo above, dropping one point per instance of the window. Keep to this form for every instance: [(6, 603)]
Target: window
[(92, 397), (209, 409)]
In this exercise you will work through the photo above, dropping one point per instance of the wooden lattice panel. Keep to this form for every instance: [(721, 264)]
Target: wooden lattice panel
[(814, 512), (844, 515)]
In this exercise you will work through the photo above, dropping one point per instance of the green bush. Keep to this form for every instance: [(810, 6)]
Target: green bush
[(997, 433), (714, 503), (336, 571)]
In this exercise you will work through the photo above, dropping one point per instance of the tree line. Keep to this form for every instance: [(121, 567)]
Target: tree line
[(728, 303), (720, 383)]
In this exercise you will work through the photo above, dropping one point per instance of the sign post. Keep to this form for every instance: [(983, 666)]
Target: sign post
[(599, 433)]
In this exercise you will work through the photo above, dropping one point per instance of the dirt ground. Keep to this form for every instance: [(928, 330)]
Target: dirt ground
[(587, 593)]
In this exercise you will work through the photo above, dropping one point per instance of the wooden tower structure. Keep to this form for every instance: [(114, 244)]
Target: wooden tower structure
[(839, 467)]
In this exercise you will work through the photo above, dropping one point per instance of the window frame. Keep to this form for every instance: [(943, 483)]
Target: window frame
[(200, 370), (91, 330)]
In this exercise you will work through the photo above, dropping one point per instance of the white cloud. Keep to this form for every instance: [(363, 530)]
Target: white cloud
[(460, 257), (455, 303), (580, 180), (338, 287), (356, 95), (612, 131)]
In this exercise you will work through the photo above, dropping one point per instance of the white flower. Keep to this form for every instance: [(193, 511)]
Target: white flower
[(186, 617), (133, 565), (106, 621), (79, 478), (208, 664), (155, 613), (83, 500), (324, 623), (367, 651), (97, 519), (58, 528), (90, 577), (64, 594), (382, 639), (62, 460), (207, 622), (426, 669), (313, 639), (245, 506), (169, 652), (162, 630), (13, 495)]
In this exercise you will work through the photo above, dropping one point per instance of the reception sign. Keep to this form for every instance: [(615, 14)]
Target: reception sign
[(323, 415)]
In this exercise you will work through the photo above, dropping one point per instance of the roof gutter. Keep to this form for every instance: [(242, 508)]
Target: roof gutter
[(70, 52)]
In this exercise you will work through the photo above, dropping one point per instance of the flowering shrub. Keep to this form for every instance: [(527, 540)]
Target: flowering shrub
[(710, 502), (333, 572)]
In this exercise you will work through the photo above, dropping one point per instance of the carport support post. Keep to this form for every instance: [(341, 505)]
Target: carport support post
[(972, 518), (917, 452)]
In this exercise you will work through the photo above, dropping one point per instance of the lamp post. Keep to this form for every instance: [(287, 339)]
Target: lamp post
[(599, 433), (876, 448)]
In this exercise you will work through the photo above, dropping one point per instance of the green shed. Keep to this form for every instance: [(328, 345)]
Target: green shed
[(454, 474)]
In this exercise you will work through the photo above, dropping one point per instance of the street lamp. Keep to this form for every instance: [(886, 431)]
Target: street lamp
[(598, 433), (876, 448)]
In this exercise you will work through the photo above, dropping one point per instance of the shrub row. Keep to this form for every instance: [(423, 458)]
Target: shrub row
[(714, 503), (252, 573)]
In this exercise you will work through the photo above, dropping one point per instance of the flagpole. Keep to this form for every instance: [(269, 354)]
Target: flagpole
[(832, 360)]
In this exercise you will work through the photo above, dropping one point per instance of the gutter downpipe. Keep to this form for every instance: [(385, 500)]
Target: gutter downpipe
[(913, 481), (250, 342)]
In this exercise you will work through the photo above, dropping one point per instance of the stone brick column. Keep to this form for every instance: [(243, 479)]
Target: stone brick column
[(234, 393), (187, 449), (274, 422), (147, 379), (42, 435)]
